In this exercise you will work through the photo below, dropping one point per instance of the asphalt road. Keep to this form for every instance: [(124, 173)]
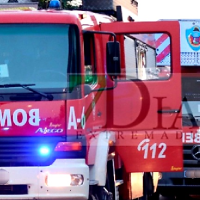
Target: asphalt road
[(190, 197)]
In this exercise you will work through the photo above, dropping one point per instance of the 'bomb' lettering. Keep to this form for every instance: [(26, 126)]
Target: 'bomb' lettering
[(8, 119)]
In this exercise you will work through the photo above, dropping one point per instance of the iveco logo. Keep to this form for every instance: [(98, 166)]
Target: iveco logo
[(196, 152)]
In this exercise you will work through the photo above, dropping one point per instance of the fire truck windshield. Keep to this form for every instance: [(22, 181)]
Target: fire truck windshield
[(40, 54)]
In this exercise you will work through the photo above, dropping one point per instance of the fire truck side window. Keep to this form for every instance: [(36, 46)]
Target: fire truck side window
[(147, 56), (89, 59)]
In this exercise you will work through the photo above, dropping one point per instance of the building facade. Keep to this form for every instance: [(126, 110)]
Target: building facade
[(129, 8)]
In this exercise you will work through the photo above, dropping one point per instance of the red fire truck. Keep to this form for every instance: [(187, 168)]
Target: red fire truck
[(83, 104), (187, 181)]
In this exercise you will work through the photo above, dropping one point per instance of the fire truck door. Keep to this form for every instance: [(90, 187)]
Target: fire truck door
[(144, 107)]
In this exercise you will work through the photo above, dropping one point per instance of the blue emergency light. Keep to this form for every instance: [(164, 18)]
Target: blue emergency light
[(54, 4), (44, 150)]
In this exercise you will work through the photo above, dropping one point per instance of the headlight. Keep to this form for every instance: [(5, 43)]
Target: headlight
[(64, 180)]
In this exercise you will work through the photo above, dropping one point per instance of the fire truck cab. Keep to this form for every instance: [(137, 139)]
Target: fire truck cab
[(83, 104)]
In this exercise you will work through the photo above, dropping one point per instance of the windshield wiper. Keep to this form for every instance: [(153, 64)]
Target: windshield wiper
[(26, 86)]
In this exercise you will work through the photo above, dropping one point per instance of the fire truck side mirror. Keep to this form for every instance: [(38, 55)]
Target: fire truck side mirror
[(113, 58)]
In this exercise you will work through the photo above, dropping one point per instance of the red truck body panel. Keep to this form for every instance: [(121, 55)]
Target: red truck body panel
[(32, 118), (133, 108)]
